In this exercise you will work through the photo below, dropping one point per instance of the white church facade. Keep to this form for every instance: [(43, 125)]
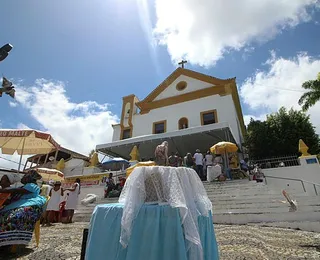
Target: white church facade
[(188, 109)]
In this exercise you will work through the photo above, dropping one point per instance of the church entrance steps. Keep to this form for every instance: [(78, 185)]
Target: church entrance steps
[(244, 202), (280, 217), (245, 205), (280, 209)]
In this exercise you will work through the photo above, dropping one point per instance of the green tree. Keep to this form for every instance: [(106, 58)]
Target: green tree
[(279, 135), (312, 96)]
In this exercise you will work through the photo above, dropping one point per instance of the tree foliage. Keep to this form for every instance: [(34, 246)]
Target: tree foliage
[(312, 96), (279, 135)]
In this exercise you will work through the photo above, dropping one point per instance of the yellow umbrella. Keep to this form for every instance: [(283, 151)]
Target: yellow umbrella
[(139, 164), (50, 174), (224, 147)]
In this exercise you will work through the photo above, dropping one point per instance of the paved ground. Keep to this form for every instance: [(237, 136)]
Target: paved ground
[(235, 242)]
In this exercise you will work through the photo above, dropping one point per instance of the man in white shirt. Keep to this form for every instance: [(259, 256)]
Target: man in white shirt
[(198, 158)]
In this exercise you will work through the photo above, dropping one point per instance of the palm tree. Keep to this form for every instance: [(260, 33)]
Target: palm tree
[(312, 96)]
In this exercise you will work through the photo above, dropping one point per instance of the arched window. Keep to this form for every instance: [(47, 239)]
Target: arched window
[(183, 123)]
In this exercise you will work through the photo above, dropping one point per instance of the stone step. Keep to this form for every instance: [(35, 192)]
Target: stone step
[(263, 205), (284, 208), (231, 183), (267, 197), (265, 217), (245, 218), (240, 204), (237, 187), (246, 202)]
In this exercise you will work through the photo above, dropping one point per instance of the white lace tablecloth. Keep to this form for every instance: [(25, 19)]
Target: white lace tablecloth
[(179, 187)]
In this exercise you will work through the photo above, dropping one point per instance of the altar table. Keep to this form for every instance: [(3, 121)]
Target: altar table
[(157, 234)]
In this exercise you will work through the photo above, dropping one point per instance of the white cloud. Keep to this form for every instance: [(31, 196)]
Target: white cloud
[(280, 85), (13, 104), (77, 126), (22, 126), (247, 118), (146, 25), (202, 31)]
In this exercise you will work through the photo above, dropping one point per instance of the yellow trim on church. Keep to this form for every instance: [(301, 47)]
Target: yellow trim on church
[(220, 87), (214, 111), (128, 99), (164, 122)]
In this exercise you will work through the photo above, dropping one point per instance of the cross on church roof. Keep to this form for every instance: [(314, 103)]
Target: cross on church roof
[(182, 63)]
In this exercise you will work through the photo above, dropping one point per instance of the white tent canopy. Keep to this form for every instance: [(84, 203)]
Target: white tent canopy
[(181, 141)]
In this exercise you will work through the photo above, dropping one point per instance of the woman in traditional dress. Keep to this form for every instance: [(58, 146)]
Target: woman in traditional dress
[(18, 218), (72, 200), (53, 207)]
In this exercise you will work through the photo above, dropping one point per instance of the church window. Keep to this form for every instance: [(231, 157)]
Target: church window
[(126, 133), (159, 127), (183, 123), (209, 117), (181, 85)]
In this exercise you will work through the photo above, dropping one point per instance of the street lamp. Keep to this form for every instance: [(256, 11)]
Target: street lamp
[(4, 51)]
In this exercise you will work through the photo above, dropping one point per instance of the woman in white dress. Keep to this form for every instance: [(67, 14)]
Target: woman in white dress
[(72, 200), (53, 206)]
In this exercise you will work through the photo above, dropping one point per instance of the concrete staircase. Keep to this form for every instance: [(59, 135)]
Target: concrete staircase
[(248, 202)]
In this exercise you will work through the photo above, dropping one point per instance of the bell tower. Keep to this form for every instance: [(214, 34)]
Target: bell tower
[(128, 110)]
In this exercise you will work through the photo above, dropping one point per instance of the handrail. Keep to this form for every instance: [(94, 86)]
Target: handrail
[(293, 179)]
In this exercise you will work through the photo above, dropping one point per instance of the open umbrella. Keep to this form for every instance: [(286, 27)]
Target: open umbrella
[(25, 142), (50, 174), (224, 147), (115, 164)]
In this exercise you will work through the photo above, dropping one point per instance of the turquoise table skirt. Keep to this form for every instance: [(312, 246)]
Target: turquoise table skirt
[(157, 234)]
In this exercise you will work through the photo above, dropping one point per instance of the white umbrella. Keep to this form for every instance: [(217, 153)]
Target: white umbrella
[(25, 142)]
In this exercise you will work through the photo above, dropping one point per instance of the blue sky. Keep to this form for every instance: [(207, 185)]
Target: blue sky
[(89, 54)]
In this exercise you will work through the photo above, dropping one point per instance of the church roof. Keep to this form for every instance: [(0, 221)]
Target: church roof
[(186, 72), (219, 86)]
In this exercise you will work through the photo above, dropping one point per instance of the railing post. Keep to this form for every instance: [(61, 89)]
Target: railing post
[(304, 188), (315, 189)]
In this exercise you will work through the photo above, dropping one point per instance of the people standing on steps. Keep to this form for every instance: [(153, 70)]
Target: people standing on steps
[(173, 160), (72, 200), (188, 161), (198, 158), (161, 154)]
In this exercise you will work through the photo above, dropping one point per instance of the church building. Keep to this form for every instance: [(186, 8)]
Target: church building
[(188, 109)]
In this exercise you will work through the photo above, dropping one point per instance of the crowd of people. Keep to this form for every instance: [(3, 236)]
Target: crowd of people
[(22, 207), (112, 189), (200, 162)]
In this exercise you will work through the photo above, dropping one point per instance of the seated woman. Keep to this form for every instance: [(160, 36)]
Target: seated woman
[(110, 185), (19, 216), (5, 183), (7, 180)]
